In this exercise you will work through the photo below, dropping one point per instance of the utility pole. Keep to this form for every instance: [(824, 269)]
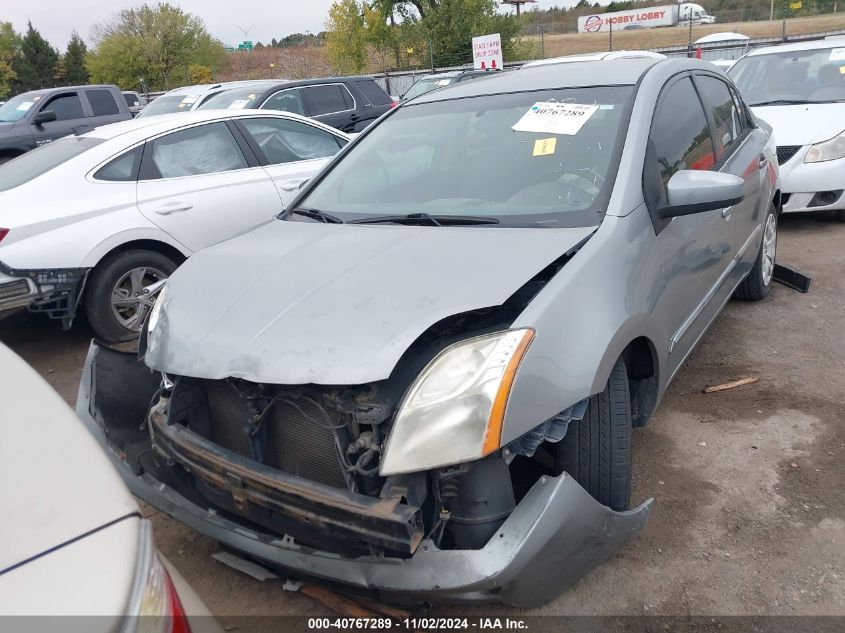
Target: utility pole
[(772, 11), (783, 34), (542, 41), (610, 43), (689, 40)]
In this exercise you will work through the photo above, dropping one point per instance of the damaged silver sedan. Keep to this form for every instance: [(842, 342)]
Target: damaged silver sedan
[(421, 380)]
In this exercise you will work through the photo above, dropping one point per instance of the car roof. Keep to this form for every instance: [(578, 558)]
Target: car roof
[(587, 57), (618, 72), (799, 46), (63, 88), (136, 130), (223, 85)]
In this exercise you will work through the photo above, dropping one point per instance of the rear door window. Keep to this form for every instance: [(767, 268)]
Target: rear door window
[(102, 102), (283, 141), (205, 149), (327, 99), (373, 92), (680, 132), (285, 101), (67, 106)]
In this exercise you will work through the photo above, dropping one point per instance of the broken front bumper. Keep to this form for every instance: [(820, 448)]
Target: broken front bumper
[(556, 534), (51, 290)]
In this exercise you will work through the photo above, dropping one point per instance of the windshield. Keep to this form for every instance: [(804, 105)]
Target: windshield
[(41, 160), (463, 157), (236, 99), (16, 108), (815, 76), (426, 85), (168, 104)]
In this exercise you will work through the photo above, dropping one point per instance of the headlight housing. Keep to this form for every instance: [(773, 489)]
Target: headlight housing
[(453, 411), (827, 150), (155, 313)]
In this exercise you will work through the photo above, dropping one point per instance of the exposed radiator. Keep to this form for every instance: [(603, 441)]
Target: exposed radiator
[(299, 438)]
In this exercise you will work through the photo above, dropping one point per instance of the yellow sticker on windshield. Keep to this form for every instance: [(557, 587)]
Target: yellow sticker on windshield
[(544, 146)]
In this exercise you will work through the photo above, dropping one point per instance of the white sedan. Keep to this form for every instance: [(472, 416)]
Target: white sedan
[(74, 542), (799, 89), (98, 221)]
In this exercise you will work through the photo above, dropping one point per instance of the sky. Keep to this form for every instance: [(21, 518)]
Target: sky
[(263, 19)]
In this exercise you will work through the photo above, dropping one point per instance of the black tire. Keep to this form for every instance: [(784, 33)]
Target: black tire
[(756, 286), (596, 451), (102, 283), (839, 215)]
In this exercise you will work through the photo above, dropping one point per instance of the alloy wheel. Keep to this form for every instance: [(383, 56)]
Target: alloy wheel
[(134, 295)]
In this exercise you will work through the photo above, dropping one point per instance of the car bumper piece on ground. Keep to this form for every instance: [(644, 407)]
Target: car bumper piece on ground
[(54, 291), (556, 535)]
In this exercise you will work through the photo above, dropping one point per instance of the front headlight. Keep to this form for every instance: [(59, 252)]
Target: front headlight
[(827, 150), (155, 313), (453, 411)]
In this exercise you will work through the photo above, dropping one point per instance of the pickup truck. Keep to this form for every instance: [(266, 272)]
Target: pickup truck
[(34, 118)]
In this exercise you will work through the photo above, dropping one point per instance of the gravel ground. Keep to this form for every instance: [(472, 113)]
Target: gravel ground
[(749, 484)]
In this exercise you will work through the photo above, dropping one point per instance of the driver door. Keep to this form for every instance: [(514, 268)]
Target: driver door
[(70, 114)]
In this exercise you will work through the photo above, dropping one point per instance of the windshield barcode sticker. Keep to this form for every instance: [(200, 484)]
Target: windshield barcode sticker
[(555, 118)]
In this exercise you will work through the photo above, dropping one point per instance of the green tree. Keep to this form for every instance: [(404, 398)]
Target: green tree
[(74, 61), (36, 64), (450, 26), (154, 44), (346, 40), (10, 47)]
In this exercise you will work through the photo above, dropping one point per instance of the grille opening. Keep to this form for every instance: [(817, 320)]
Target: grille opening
[(785, 152)]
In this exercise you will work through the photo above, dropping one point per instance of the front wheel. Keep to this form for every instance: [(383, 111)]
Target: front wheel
[(121, 293), (596, 450), (759, 281)]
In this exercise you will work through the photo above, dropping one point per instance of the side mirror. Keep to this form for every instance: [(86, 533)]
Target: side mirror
[(691, 192), (45, 116)]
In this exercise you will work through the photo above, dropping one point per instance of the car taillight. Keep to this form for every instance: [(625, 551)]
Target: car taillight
[(3, 233), (154, 606)]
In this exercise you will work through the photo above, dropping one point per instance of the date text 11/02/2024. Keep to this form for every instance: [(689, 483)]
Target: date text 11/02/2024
[(416, 624)]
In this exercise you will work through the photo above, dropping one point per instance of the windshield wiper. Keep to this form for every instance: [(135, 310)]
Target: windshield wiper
[(426, 218), (783, 102), (316, 214)]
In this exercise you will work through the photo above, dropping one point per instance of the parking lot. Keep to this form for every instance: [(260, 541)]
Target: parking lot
[(749, 483)]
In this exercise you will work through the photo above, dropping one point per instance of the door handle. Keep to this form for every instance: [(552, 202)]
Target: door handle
[(293, 185), (761, 164), (354, 117), (726, 212), (173, 207)]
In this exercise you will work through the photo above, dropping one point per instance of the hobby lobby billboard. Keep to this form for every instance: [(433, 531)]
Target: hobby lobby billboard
[(618, 20)]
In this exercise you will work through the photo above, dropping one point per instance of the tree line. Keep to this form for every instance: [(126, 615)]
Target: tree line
[(363, 34), (150, 47)]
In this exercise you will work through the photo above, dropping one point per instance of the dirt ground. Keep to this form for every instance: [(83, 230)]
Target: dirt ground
[(574, 43), (749, 484)]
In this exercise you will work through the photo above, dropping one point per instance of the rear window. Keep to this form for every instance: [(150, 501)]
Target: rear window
[(236, 99), (169, 104), (131, 99), (102, 102), (373, 92), (41, 160)]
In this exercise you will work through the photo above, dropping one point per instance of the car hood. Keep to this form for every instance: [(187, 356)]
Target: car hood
[(302, 302), (58, 485), (803, 124)]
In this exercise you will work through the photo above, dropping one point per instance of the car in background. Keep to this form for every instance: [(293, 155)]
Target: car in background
[(593, 57), (135, 101), (99, 220), (35, 118), (74, 540), (348, 104), (427, 83), (724, 64), (422, 379), (799, 89), (189, 98)]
